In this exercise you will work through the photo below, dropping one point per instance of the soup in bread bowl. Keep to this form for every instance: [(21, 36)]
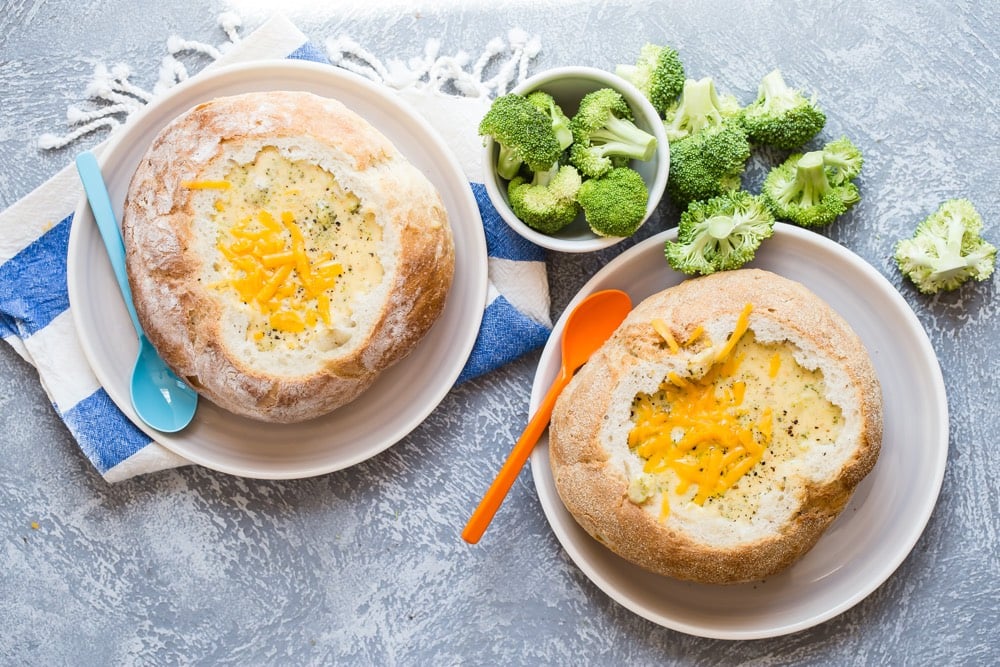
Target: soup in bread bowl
[(720, 430), (282, 253)]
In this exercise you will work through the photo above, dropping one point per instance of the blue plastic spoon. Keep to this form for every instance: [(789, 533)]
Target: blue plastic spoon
[(159, 397)]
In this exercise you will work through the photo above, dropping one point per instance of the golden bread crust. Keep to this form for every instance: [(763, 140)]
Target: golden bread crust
[(586, 449), (192, 325)]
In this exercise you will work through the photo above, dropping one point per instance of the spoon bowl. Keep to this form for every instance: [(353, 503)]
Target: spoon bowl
[(160, 398), (590, 323)]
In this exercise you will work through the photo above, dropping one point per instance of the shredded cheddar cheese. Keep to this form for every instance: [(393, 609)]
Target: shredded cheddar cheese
[(695, 335), (702, 439), (206, 185), (774, 366), (707, 438), (663, 329), (742, 322), (273, 272), (294, 247)]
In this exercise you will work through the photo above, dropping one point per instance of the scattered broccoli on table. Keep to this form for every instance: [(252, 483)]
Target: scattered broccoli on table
[(699, 108), (782, 116), (947, 249), (614, 204), (524, 133), (604, 135), (560, 121), (709, 149), (807, 191), (658, 74), (719, 234), (547, 202), (843, 160)]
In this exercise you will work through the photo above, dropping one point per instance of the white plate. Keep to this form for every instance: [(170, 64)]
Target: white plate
[(889, 509), (403, 396)]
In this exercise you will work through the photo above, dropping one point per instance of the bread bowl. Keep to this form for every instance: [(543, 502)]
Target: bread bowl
[(282, 253), (720, 430)]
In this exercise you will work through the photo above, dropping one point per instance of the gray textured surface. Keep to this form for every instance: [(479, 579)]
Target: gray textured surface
[(366, 565)]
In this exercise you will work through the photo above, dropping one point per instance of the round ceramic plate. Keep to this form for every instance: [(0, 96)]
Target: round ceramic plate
[(401, 398), (889, 509)]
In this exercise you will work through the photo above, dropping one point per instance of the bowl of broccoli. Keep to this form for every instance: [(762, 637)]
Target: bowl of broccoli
[(575, 158)]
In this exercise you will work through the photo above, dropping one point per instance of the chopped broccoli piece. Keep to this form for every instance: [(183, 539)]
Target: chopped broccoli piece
[(614, 204), (843, 161), (947, 249), (708, 143), (658, 73), (603, 130), (560, 122), (708, 163), (699, 108), (800, 190), (719, 234), (524, 134), (781, 116), (547, 202)]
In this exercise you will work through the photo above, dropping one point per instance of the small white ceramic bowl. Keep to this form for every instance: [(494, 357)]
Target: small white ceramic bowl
[(568, 85)]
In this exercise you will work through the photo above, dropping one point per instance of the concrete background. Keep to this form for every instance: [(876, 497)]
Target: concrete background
[(365, 565)]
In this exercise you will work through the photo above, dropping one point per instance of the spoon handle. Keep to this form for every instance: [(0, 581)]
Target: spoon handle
[(488, 506), (104, 214)]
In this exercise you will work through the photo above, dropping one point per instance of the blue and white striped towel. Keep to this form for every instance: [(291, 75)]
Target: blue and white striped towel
[(35, 316)]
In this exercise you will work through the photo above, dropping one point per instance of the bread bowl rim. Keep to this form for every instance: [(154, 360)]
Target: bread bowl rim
[(213, 438)]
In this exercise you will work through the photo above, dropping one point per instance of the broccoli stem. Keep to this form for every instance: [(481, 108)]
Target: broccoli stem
[(630, 73), (622, 137), (950, 252), (699, 107), (720, 226), (508, 163), (774, 89), (545, 177), (811, 184)]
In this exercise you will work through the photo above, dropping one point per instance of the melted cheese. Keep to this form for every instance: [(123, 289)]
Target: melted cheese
[(709, 439), (295, 248)]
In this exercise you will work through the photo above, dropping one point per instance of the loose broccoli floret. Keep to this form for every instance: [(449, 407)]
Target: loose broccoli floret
[(614, 204), (708, 143), (708, 163), (947, 249), (604, 135), (719, 234), (658, 73), (843, 160), (560, 121), (547, 202), (699, 108), (524, 134), (781, 116), (800, 191)]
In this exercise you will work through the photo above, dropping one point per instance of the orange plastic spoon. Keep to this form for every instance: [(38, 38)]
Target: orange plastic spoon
[(590, 324)]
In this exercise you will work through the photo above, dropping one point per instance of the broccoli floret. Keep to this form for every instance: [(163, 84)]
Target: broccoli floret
[(781, 116), (658, 73), (947, 249), (699, 108), (800, 191), (560, 121), (603, 131), (524, 134), (843, 160), (719, 234), (547, 202), (708, 163), (614, 204)]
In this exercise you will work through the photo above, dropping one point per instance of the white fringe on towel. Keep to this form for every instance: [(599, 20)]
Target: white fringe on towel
[(500, 66), (433, 71), (117, 97)]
